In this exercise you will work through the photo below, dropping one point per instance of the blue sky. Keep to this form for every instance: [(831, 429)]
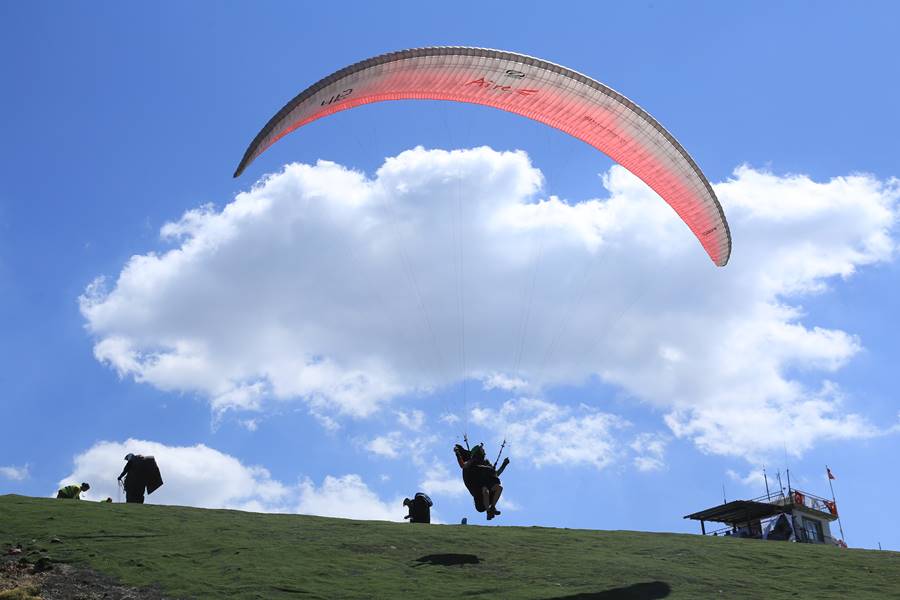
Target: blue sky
[(119, 120)]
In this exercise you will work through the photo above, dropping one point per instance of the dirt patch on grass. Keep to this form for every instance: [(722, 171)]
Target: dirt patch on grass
[(33, 575)]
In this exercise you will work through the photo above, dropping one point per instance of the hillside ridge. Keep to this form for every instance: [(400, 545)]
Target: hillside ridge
[(184, 552)]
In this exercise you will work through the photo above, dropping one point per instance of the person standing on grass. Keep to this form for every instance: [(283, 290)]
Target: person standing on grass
[(140, 473)]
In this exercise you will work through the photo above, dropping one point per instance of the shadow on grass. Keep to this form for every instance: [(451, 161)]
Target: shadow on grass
[(638, 591), (447, 560)]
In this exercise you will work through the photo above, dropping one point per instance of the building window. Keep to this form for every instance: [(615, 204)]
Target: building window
[(813, 530)]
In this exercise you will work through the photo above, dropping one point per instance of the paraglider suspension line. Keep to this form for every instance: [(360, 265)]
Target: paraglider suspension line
[(461, 301), (499, 454)]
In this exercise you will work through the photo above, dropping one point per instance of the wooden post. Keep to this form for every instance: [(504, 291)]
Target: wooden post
[(703, 526)]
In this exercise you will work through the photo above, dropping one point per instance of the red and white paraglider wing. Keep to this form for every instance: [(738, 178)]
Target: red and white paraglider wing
[(533, 88)]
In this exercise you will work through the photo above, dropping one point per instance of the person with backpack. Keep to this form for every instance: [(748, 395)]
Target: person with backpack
[(140, 473), (419, 508)]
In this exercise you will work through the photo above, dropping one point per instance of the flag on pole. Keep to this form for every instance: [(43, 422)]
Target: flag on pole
[(832, 506)]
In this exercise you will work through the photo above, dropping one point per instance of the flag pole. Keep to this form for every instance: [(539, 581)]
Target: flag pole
[(833, 499)]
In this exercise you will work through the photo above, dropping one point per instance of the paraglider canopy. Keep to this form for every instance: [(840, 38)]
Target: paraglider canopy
[(531, 87)]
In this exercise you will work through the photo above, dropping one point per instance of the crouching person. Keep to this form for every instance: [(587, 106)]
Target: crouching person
[(72, 492)]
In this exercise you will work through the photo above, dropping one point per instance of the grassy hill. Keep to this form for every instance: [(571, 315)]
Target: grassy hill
[(197, 553)]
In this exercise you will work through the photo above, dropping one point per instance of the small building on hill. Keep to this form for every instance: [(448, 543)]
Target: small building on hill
[(795, 516)]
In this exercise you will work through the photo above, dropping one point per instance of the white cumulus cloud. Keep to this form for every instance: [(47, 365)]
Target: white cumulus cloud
[(397, 444), (204, 477), (348, 497), (15, 473), (438, 479), (755, 479), (650, 450), (386, 445), (551, 434), (414, 419), (343, 291), (192, 476)]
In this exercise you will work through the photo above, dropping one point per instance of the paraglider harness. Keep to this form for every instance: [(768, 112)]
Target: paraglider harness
[(478, 476), (419, 508), (466, 453)]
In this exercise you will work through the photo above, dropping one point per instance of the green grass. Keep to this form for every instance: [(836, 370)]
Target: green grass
[(197, 553)]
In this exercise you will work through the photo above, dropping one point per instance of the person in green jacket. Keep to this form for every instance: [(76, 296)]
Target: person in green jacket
[(73, 492)]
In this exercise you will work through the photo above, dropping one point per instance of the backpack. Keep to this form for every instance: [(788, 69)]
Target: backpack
[(419, 508)]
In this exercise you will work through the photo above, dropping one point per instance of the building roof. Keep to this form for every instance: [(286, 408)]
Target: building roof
[(738, 511)]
